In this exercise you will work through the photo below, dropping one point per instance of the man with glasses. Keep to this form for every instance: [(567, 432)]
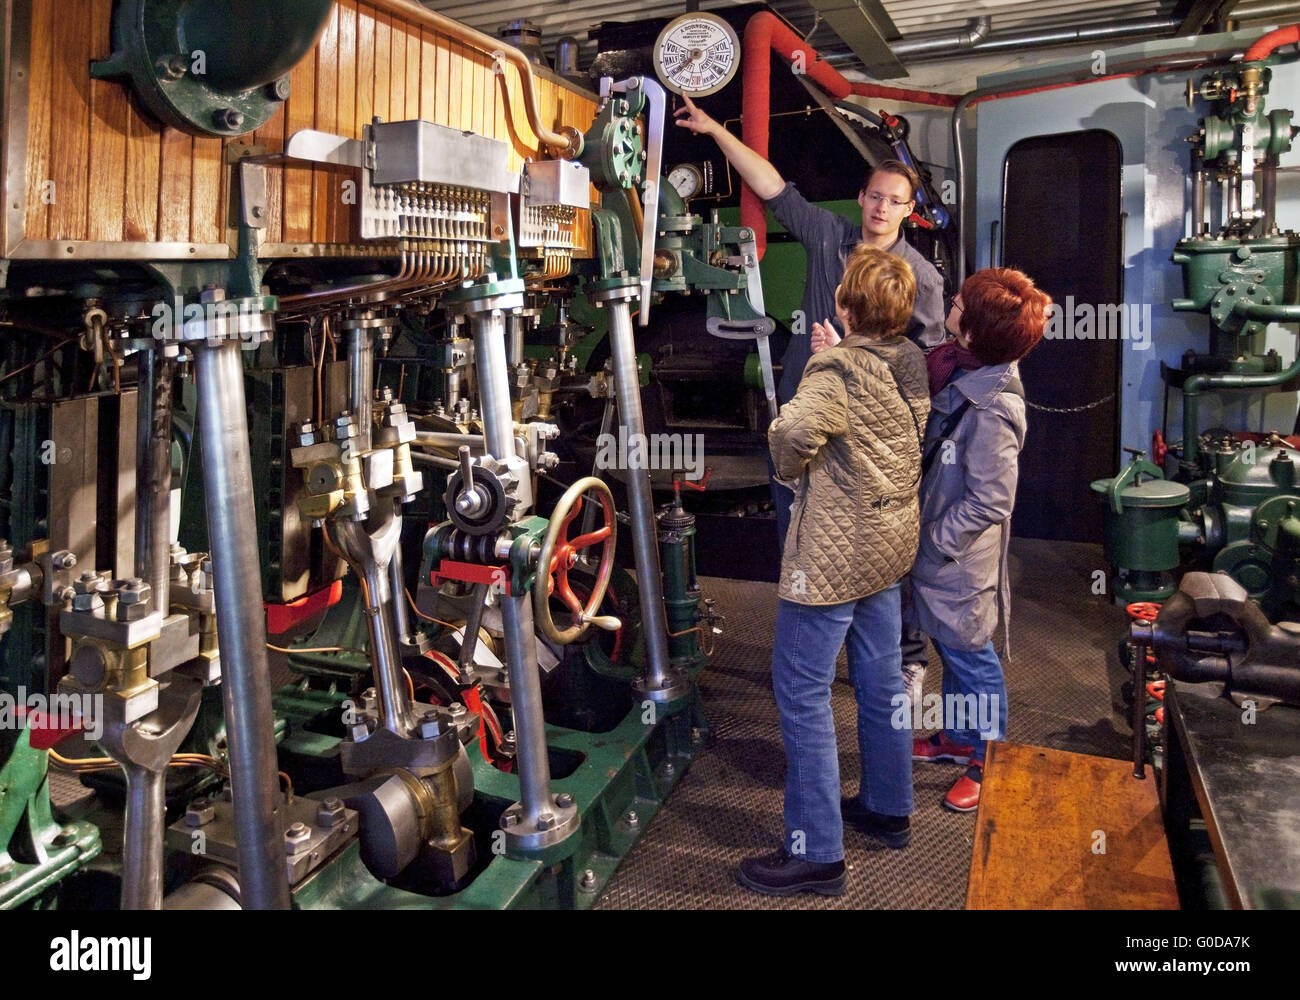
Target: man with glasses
[(887, 197)]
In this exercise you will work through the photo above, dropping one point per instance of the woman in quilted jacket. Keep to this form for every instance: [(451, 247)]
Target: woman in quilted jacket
[(850, 443), (976, 431)]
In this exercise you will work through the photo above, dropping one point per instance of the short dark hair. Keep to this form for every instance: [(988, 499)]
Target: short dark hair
[(894, 167), (1003, 315), (877, 293)]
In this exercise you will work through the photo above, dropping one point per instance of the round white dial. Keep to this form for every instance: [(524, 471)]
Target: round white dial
[(687, 180), (697, 54)]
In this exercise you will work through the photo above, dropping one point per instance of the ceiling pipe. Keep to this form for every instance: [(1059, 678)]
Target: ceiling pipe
[(976, 30), (1264, 8), (932, 47), (766, 33), (1189, 59)]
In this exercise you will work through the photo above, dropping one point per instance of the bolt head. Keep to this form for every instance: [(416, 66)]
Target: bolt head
[(564, 800), (632, 818), (280, 89), (229, 118), (545, 820), (588, 879)]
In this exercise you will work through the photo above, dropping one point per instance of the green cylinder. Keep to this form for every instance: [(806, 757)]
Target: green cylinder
[(681, 589)]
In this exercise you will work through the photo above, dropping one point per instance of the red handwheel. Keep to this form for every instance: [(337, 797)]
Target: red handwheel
[(559, 554)]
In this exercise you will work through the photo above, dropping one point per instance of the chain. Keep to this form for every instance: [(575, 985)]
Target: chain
[(1070, 409)]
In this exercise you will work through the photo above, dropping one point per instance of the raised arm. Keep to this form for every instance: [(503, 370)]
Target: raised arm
[(757, 172)]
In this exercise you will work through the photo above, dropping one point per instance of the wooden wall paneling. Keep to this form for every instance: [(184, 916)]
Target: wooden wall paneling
[(482, 114), (39, 100), (346, 229), (271, 136), (430, 65), (300, 114), (453, 84), (69, 167), (500, 98), (383, 64), (471, 112), (143, 166), (207, 224), (366, 68), (522, 132), (414, 72), (109, 115), (174, 186), (491, 72), (442, 84), (397, 74), (325, 180)]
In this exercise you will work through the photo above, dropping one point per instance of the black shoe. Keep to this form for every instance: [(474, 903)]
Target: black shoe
[(782, 874), (892, 831)]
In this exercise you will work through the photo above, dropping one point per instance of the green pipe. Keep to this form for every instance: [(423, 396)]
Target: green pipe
[(250, 43), (1198, 384), (1269, 314)]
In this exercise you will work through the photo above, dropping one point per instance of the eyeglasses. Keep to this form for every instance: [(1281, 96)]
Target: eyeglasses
[(958, 306), (877, 199)]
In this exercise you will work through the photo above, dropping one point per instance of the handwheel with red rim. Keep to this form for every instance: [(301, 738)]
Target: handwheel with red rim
[(559, 554)]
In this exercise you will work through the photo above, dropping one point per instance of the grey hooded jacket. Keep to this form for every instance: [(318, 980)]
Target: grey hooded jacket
[(959, 579)]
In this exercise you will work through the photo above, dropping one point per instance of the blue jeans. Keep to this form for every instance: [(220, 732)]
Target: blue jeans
[(978, 673), (808, 639)]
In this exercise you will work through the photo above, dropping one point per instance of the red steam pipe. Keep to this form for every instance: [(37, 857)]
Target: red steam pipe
[(1266, 44), (763, 32)]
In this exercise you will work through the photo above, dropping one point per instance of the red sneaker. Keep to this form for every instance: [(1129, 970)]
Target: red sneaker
[(964, 796), (938, 747)]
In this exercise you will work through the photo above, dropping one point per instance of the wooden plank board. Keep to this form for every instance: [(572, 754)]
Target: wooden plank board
[(174, 186), (429, 65), (383, 64), (39, 99), (271, 136), (413, 73), (442, 86), (143, 166), (365, 88), (1060, 830), (345, 228), (70, 116), (206, 222), (300, 114), (454, 83), (397, 74), (108, 132), (325, 181)]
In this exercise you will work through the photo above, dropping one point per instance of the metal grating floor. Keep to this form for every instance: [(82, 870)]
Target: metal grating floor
[(1063, 686)]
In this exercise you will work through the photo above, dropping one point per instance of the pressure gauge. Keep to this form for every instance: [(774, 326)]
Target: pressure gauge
[(692, 179), (697, 54)]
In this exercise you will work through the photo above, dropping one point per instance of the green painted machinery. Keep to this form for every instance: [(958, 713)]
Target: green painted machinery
[(1230, 504)]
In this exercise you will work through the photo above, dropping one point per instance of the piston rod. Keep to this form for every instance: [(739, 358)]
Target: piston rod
[(237, 582)]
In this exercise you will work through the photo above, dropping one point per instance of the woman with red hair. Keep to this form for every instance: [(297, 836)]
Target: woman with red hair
[(970, 460)]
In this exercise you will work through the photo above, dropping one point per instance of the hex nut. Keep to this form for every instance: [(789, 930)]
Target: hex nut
[(564, 800), (297, 837), (359, 732), (431, 729), (200, 813), (330, 812)]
